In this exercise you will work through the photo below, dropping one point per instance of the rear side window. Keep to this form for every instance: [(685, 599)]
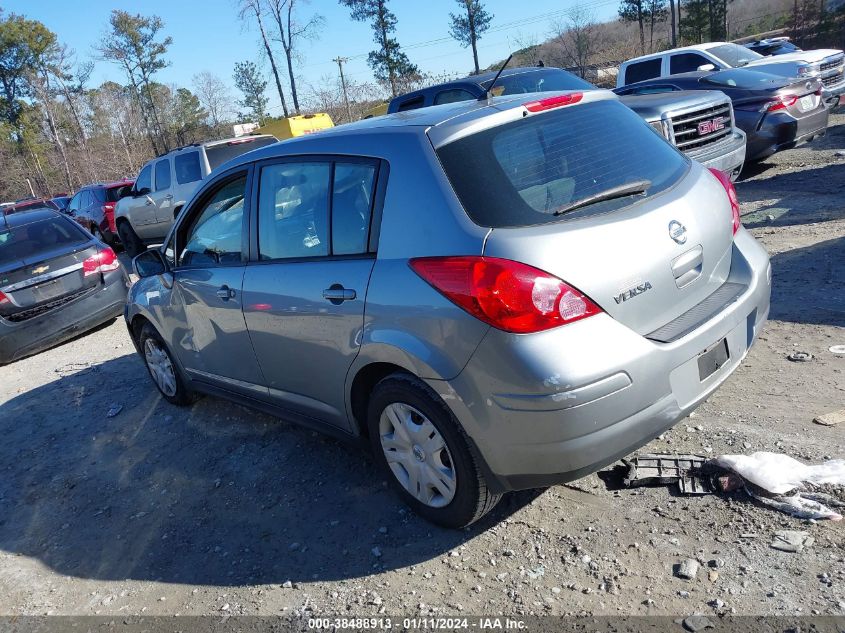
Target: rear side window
[(162, 175), (520, 173), (187, 167), (352, 203), (686, 63), (412, 104), (641, 71), (29, 240), (224, 152), (452, 96)]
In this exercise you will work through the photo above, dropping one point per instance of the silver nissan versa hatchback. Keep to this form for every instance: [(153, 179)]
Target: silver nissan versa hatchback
[(497, 295)]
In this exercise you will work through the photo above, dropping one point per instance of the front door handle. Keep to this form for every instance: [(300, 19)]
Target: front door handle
[(337, 294), (225, 293), (149, 201)]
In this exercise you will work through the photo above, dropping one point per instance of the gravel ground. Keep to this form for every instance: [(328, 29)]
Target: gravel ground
[(220, 510)]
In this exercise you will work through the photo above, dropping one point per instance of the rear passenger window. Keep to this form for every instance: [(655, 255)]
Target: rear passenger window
[(162, 175), (352, 201), (641, 71), (293, 210), (412, 104), (452, 96), (187, 167), (686, 63)]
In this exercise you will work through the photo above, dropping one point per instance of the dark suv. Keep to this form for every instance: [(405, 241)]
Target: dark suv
[(93, 207)]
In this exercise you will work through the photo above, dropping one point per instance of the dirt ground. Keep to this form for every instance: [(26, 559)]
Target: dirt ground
[(220, 510)]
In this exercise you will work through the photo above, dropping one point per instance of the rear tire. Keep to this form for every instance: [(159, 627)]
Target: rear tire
[(425, 453), (132, 244), (163, 368)]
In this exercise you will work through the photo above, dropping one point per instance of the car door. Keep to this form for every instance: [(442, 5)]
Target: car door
[(210, 336), (304, 289), (162, 193), (75, 205), (142, 210)]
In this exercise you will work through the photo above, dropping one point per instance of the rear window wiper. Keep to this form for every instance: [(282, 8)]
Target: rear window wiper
[(620, 191)]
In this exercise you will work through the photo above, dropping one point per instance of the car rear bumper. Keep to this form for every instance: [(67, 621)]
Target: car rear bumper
[(780, 131), (552, 407), (20, 339), (727, 156)]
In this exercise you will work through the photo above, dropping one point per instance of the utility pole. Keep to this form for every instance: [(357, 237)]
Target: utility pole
[(340, 61)]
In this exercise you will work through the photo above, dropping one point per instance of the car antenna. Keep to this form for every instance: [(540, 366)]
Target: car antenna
[(488, 94)]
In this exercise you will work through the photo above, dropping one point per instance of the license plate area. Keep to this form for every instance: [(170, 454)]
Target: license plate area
[(712, 359), (806, 103)]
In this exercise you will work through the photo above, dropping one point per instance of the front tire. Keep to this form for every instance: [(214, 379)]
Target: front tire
[(163, 369), (425, 453), (132, 244)]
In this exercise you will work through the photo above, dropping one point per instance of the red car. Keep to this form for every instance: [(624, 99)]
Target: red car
[(29, 204), (93, 207)]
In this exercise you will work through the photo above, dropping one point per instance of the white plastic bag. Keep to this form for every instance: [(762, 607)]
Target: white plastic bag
[(779, 474)]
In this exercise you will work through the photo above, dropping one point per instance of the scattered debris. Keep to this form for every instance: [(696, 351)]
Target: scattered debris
[(836, 349), (114, 410), (779, 474), (791, 540), (800, 357), (687, 569), (696, 623), (650, 469), (830, 419)]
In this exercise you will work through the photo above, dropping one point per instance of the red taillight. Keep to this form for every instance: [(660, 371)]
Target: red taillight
[(553, 102), (723, 178), (108, 211), (103, 262), (508, 295), (781, 103), (3, 298)]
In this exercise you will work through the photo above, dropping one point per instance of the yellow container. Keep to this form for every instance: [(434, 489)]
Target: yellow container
[(296, 125)]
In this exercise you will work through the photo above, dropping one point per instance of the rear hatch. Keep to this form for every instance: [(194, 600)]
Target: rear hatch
[(645, 258), (223, 151), (41, 266)]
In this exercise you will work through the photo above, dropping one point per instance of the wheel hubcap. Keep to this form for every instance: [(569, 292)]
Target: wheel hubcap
[(417, 455), (161, 369)]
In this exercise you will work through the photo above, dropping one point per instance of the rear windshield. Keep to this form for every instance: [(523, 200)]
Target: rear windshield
[(25, 240), (114, 194), (734, 54), (520, 173), (537, 81), (744, 78), (219, 154)]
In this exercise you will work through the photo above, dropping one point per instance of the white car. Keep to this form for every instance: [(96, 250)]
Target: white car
[(826, 63), (166, 183)]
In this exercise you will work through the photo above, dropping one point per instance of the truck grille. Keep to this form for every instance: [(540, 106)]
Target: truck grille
[(832, 62), (700, 128), (832, 80), (31, 313)]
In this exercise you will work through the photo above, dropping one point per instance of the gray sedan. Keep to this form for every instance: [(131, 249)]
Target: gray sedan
[(496, 295)]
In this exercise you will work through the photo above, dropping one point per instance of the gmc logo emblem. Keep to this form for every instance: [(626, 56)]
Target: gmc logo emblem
[(713, 125)]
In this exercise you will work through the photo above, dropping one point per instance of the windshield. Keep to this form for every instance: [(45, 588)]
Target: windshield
[(550, 80), (733, 54), (524, 172), (25, 240)]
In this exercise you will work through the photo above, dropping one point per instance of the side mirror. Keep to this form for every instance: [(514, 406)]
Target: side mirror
[(141, 192), (149, 264), (706, 68)]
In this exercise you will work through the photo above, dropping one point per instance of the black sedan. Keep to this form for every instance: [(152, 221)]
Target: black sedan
[(56, 282), (775, 112)]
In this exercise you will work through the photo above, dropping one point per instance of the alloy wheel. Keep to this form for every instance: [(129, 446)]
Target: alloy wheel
[(417, 455), (160, 366)]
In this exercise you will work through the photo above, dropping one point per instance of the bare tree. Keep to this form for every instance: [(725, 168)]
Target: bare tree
[(214, 96), (577, 38), (255, 9), (290, 32)]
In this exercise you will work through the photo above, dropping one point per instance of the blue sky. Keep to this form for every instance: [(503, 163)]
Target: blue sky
[(207, 34)]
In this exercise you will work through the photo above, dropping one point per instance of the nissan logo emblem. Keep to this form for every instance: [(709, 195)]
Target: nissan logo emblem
[(678, 232)]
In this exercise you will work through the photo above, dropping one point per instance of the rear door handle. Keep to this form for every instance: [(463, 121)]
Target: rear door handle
[(337, 294), (225, 293)]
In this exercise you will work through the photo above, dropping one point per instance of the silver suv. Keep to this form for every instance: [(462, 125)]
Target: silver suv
[(496, 296), (165, 183)]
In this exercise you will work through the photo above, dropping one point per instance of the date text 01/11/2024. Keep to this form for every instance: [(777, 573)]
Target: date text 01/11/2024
[(444, 624)]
